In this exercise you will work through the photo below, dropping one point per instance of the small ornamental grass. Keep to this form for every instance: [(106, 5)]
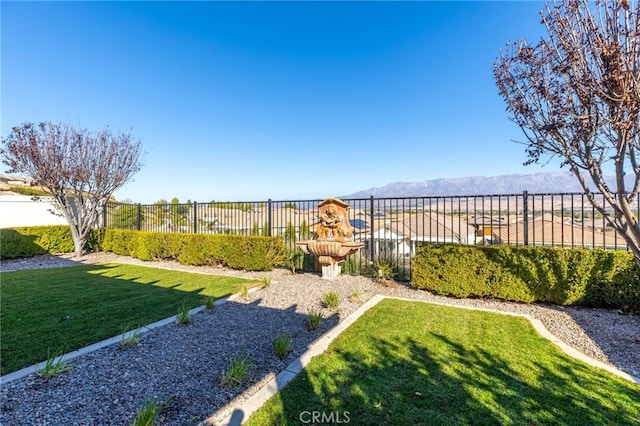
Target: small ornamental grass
[(331, 300), (314, 318), (295, 260), (54, 365), (384, 271), (244, 293), (282, 344), (148, 413), (184, 315), (129, 338), (355, 297), (237, 372), (209, 302), (266, 282)]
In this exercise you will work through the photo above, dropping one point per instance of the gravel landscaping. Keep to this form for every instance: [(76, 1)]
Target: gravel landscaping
[(182, 365)]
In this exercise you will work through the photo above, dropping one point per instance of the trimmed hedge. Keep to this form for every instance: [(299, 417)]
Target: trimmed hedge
[(530, 274), (525, 274), (34, 240), (29, 241), (251, 253)]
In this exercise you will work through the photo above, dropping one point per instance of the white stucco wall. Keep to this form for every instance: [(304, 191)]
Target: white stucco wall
[(21, 210)]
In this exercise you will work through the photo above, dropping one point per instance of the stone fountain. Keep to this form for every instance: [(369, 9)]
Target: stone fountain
[(334, 237)]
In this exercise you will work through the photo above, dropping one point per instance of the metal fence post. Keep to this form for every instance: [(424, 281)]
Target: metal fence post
[(195, 217), (372, 244), (139, 224), (269, 213), (525, 219), (104, 214)]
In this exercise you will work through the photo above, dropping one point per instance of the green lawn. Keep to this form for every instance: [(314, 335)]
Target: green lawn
[(67, 308), (410, 363)]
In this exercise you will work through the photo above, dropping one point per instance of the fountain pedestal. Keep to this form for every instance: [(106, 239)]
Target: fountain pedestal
[(330, 254), (334, 238)]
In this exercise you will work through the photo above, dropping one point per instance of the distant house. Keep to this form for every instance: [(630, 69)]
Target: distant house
[(15, 180), (391, 240), (487, 226), (402, 235), (550, 230), (230, 220)]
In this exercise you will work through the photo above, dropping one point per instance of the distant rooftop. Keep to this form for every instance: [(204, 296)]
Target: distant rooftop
[(15, 180)]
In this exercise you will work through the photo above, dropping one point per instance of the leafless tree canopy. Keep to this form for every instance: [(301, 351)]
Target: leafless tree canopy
[(81, 169), (576, 95)]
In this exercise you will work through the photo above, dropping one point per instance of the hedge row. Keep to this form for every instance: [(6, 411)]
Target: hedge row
[(526, 274), (530, 274), (34, 240), (250, 253)]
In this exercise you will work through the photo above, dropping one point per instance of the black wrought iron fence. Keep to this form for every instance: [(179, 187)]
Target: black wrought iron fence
[(392, 228)]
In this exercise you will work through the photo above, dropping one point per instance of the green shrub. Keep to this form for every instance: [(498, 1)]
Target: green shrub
[(530, 274), (184, 315), (616, 282), (282, 344), (331, 300), (244, 292), (30, 241), (354, 264), (192, 249), (13, 245), (209, 302), (54, 365), (237, 372), (34, 240), (266, 282), (116, 241), (384, 270), (295, 260), (129, 337), (252, 253), (149, 412), (314, 318)]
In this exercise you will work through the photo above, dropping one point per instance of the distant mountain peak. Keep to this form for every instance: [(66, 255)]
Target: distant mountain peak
[(549, 182)]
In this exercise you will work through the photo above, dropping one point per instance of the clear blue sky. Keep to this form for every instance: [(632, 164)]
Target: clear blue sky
[(284, 100)]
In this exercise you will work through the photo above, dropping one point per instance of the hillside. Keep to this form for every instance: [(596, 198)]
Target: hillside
[(554, 182), (16, 185)]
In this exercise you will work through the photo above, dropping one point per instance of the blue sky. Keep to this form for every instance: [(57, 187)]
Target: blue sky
[(284, 100)]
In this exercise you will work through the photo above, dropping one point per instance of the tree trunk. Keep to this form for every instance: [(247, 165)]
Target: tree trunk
[(78, 241), (79, 248)]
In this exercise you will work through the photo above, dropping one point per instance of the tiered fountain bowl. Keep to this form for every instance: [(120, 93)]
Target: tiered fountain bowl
[(334, 238)]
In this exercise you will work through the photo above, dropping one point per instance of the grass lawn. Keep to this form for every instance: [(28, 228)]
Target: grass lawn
[(410, 363), (46, 310)]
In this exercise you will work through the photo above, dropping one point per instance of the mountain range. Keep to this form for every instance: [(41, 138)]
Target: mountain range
[(550, 182)]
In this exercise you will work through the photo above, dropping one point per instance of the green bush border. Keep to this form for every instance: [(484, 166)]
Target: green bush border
[(595, 277), (251, 253), (530, 274), (30, 241)]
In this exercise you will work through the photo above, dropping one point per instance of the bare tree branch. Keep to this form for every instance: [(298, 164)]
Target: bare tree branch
[(576, 95)]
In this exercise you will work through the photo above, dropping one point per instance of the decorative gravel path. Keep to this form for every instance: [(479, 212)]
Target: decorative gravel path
[(182, 365)]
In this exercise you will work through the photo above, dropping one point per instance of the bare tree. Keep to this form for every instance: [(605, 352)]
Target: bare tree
[(81, 169), (576, 96)]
